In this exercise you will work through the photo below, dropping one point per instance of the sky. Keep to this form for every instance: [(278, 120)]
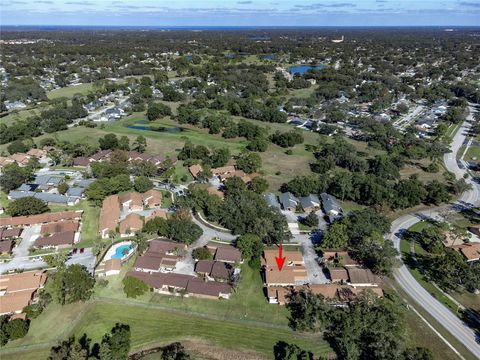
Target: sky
[(171, 13)]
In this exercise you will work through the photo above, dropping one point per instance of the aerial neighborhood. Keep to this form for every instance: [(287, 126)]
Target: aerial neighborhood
[(286, 193)]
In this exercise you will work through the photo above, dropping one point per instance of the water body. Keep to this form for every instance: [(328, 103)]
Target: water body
[(157, 129), (122, 251), (268, 57), (302, 69)]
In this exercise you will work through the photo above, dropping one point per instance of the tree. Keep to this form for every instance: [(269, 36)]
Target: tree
[(174, 351), (249, 162), (142, 184), (437, 193), (157, 226), (17, 146), (116, 345), (16, 329), (133, 287), (258, 185), (156, 110), (184, 231), (140, 144), (310, 220), (307, 311), (251, 247), (335, 237), (202, 253), (13, 176), (109, 141), (72, 284), (28, 205), (124, 143), (286, 351), (62, 187)]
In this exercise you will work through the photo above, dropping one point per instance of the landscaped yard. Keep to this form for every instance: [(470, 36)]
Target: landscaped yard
[(70, 91)]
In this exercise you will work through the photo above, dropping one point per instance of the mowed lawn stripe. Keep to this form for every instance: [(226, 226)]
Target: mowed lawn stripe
[(150, 326)]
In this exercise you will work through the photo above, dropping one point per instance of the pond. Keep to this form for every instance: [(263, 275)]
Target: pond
[(157, 129), (302, 69)]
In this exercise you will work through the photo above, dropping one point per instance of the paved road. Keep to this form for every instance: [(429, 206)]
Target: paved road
[(310, 257), (470, 198)]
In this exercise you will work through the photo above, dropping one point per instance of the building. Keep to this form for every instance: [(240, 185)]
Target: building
[(131, 224), (6, 233), (214, 270), (109, 215), (59, 226), (156, 213), (359, 277), (331, 207), (20, 290), (228, 254), (6, 247), (161, 256), (41, 218), (471, 251), (212, 190), (195, 170), (81, 162), (271, 200), (113, 267), (289, 201), (293, 271), (152, 198), (132, 201), (310, 203), (338, 275), (58, 240)]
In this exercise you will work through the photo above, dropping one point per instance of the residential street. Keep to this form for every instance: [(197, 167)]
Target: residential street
[(470, 198)]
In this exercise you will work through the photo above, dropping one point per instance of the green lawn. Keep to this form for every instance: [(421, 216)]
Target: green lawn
[(70, 91), (245, 322)]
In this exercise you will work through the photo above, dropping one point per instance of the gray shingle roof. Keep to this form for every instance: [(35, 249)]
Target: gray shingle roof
[(271, 200), (330, 203), (75, 191), (288, 200), (309, 201)]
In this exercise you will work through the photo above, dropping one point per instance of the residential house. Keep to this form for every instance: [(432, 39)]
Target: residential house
[(38, 153), (359, 277), (109, 215), (228, 254), (81, 161), (338, 274), (59, 226), (212, 190), (132, 201), (471, 251), (58, 240), (289, 201), (20, 290), (271, 200), (7, 234), (41, 218), (331, 207), (195, 170), (6, 247), (208, 289), (156, 213), (152, 198), (112, 267), (310, 203), (131, 224)]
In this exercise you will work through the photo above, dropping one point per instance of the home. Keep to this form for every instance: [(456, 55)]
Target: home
[(6, 247), (277, 295), (212, 190), (310, 203), (81, 162), (156, 213), (20, 290), (131, 224), (195, 170), (228, 254), (475, 229), (165, 247), (338, 258), (20, 158), (293, 271), (150, 262), (338, 274), (271, 200), (109, 215), (57, 240), (289, 201), (223, 170), (471, 251), (359, 277), (6, 234), (38, 153), (41, 218), (331, 207), (214, 270), (208, 290), (112, 267), (132, 201), (59, 226), (152, 198)]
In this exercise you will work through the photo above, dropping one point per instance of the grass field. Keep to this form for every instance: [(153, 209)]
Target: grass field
[(70, 91)]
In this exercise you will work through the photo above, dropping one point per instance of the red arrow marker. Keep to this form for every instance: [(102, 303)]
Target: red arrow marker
[(280, 260)]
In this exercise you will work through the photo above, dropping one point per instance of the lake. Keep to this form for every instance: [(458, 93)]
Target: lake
[(159, 129), (302, 69)]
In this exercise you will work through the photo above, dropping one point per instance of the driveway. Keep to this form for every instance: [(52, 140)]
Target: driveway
[(314, 270)]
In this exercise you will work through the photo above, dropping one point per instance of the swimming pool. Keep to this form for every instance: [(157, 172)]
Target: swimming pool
[(121, 251)]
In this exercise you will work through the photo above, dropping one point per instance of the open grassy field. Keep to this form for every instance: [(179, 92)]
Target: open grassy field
[(19, 115), (70, 91)]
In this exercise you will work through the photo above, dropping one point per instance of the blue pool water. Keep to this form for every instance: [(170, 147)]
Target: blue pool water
[(119, 251), (302, 69)]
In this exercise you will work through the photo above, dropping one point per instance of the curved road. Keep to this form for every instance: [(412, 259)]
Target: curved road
[(470, 198)]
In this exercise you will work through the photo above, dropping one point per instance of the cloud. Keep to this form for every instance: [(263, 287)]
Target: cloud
[(244, 2), (16, 3), (83, 3), (381, 1), (44, 2), (320, 6), (469, 3)]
